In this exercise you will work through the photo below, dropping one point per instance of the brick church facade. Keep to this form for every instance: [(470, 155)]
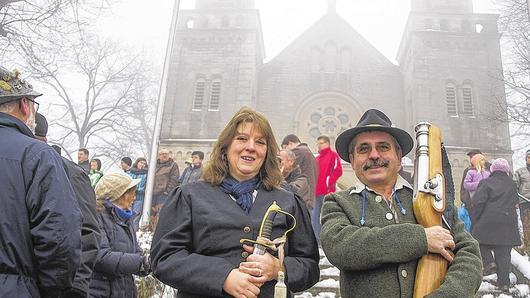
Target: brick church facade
[(449, 62)]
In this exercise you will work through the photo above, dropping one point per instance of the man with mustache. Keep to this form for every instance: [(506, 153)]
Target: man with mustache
[(369, 231), (40, 221)]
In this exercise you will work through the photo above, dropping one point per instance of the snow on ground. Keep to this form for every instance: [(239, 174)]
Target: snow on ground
[(331, 271), (492, 278), (486, 287), (327, 283), (144, 240), (524, 290), (324, 261), (521, 263), (319, 295)]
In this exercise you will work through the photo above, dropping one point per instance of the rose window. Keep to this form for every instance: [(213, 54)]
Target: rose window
[(329, 121)]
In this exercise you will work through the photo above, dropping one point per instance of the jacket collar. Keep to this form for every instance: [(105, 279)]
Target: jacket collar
[(325, 151), (13, 122), (358, 187), (294, 173)]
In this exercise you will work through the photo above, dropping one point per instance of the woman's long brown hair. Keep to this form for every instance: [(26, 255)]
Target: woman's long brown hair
[(217, 168)]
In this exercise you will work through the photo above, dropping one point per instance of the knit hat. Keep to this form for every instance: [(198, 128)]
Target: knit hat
[(527, 153), (500, 164), (127, 160), (113, 186), (41, 125)]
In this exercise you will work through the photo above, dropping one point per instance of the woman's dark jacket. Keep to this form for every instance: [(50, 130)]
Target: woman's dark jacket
[(118, 259), (494, 217), (196, 243)]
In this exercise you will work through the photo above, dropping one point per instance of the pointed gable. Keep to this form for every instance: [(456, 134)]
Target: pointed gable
[(333, 29)]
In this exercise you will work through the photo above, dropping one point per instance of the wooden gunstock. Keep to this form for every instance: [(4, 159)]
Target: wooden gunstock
[(431, 269)]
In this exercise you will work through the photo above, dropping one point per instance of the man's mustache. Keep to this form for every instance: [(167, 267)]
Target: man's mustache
[(375, 163)]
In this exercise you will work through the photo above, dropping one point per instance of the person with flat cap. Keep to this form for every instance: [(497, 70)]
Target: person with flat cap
[(369, 231), (40, 221)]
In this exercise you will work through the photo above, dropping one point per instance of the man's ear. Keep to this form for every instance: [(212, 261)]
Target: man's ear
[(24, 107)]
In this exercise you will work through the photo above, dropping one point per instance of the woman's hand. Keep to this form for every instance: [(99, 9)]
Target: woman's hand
[(238, 285), (263, 268)]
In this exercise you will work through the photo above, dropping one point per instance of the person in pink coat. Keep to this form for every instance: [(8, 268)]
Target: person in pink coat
[(476, 174)]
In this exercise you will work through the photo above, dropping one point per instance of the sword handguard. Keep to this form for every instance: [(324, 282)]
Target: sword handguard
[(263, 242)]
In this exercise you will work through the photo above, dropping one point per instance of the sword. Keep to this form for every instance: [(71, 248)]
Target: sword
[(265, 231), (263, 242)]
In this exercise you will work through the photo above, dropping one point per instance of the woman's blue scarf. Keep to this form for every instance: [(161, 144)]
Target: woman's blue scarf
[(123, 214), (241, 191)]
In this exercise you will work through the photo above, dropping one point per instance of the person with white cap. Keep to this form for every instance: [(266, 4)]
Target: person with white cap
[(495, 221), (119, 256), (369, 231), (522, 178)]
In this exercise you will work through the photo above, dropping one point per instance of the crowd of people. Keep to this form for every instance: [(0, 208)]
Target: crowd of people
[(490, 193), (70, 229)]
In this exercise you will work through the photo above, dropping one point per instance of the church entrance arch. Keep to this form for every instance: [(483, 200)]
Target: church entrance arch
[(326, 113)]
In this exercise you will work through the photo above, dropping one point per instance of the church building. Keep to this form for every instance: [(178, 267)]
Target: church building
[(449, 65)]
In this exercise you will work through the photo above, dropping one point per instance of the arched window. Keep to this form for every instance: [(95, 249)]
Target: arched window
[(215, 95), (467, 99), (315, 60), (450, 99), (198, 98), (204, 22), (427, 24), (444, 25), (225, 22), (345, 60), (465, 26), (330, 58), (240, 21)]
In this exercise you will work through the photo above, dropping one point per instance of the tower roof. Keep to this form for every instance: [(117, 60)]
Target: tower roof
[(442, 6), (224, 4)]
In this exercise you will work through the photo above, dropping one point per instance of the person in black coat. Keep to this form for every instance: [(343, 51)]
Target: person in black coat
[(196, 246), (86, 199), (40, 221), (119, 255), (494, 220)]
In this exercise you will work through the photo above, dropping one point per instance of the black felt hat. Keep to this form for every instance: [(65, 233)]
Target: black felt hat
[(372, 120)]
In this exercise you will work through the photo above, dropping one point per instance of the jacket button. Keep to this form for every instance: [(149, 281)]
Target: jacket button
[(244, 254), (247, 229), (389, 216), (378, 199), (404, 273)]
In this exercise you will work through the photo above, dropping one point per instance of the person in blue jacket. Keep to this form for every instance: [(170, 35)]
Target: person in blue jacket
[(139, 171), (40, 221)]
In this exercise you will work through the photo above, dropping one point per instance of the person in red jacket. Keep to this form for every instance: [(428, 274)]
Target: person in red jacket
[(329, 171)]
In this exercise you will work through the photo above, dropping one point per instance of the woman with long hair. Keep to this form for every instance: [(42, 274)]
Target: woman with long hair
[(196, 246)]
